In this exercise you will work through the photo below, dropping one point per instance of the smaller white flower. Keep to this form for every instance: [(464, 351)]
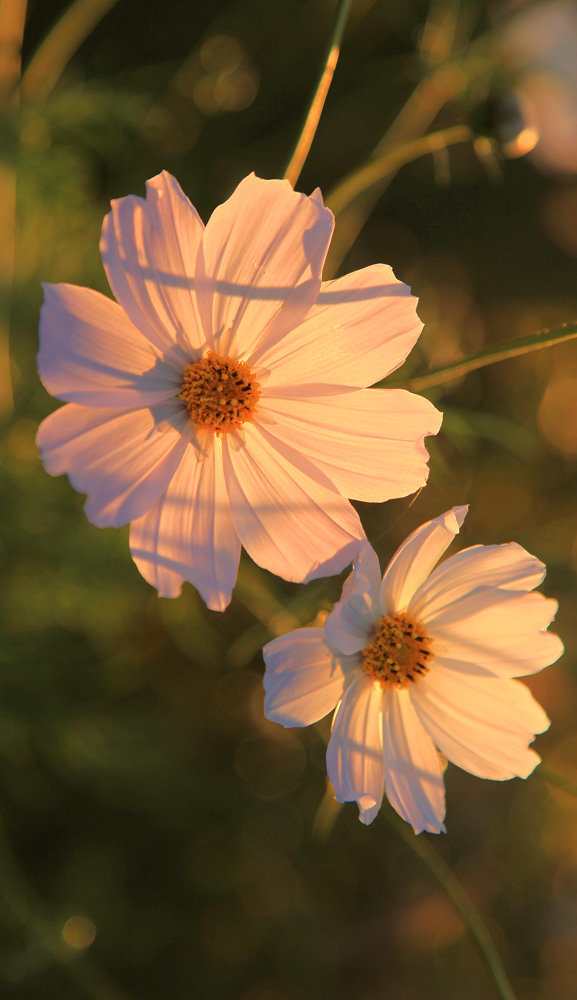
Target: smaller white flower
[(420, 662)]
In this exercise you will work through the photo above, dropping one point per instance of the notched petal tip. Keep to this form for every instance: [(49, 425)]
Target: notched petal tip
[(283, 184), (368, 809), (164, 184), (416, 557), (160, 180), (317, 197), (532, 760), (169, 593), (169, 585), (436, 418), (429, 828), (557, 647), (217, 602), (124, 199), (455, 517)]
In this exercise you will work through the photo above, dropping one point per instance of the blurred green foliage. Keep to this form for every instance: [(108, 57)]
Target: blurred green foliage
[(140, 786)]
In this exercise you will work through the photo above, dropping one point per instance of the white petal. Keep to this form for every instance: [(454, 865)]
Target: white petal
[(414, 560), (90, 353), (508, 567), (361, 329), (498, 631), (287, 515), (260, 264), (189, 534), (149, 250), (304, 677), (413, 775), (351, 623), (368, 442), (482, 724), (355, 762), (124, 460)]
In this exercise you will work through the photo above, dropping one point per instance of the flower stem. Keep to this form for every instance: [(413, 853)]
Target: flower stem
[(558, 780), (444, 83), (454, 891), (12, 18), (375, 171), (304, 143), (489, 356), (410, 125), (62, 41)]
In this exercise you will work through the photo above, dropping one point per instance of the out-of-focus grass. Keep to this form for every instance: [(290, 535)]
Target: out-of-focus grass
[(140, 785)]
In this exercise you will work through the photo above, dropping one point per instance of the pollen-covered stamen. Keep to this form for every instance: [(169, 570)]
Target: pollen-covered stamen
[(400, 652), (220, 393)]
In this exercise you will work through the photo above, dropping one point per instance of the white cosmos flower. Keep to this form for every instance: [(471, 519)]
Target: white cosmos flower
[(221, 400), (421, 661)]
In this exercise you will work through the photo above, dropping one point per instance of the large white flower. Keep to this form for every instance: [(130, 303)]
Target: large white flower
[(221, 400), (418, 661)]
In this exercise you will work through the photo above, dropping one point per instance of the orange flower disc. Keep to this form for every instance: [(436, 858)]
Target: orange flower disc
[(220, 393), (400, 652)]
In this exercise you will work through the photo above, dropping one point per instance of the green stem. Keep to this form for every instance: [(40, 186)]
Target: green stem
[(411, 124), (489, 356), (305, 140), (558, 780), (12, 19), (454, 891), (439, 32), (375, 171), (443, 84), (63, 40)]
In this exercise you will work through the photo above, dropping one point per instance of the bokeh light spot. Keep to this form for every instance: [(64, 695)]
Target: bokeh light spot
[(560, 218), (79, 932), (557, 415)]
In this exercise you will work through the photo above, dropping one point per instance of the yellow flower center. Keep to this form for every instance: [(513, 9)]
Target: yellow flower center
[(400, 652), (220, 394)]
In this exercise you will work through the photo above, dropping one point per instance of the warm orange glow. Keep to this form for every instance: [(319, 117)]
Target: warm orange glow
[(523, 143), (220, 394), (560, 218), (399, 654), (79, 932), (558, 413)]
